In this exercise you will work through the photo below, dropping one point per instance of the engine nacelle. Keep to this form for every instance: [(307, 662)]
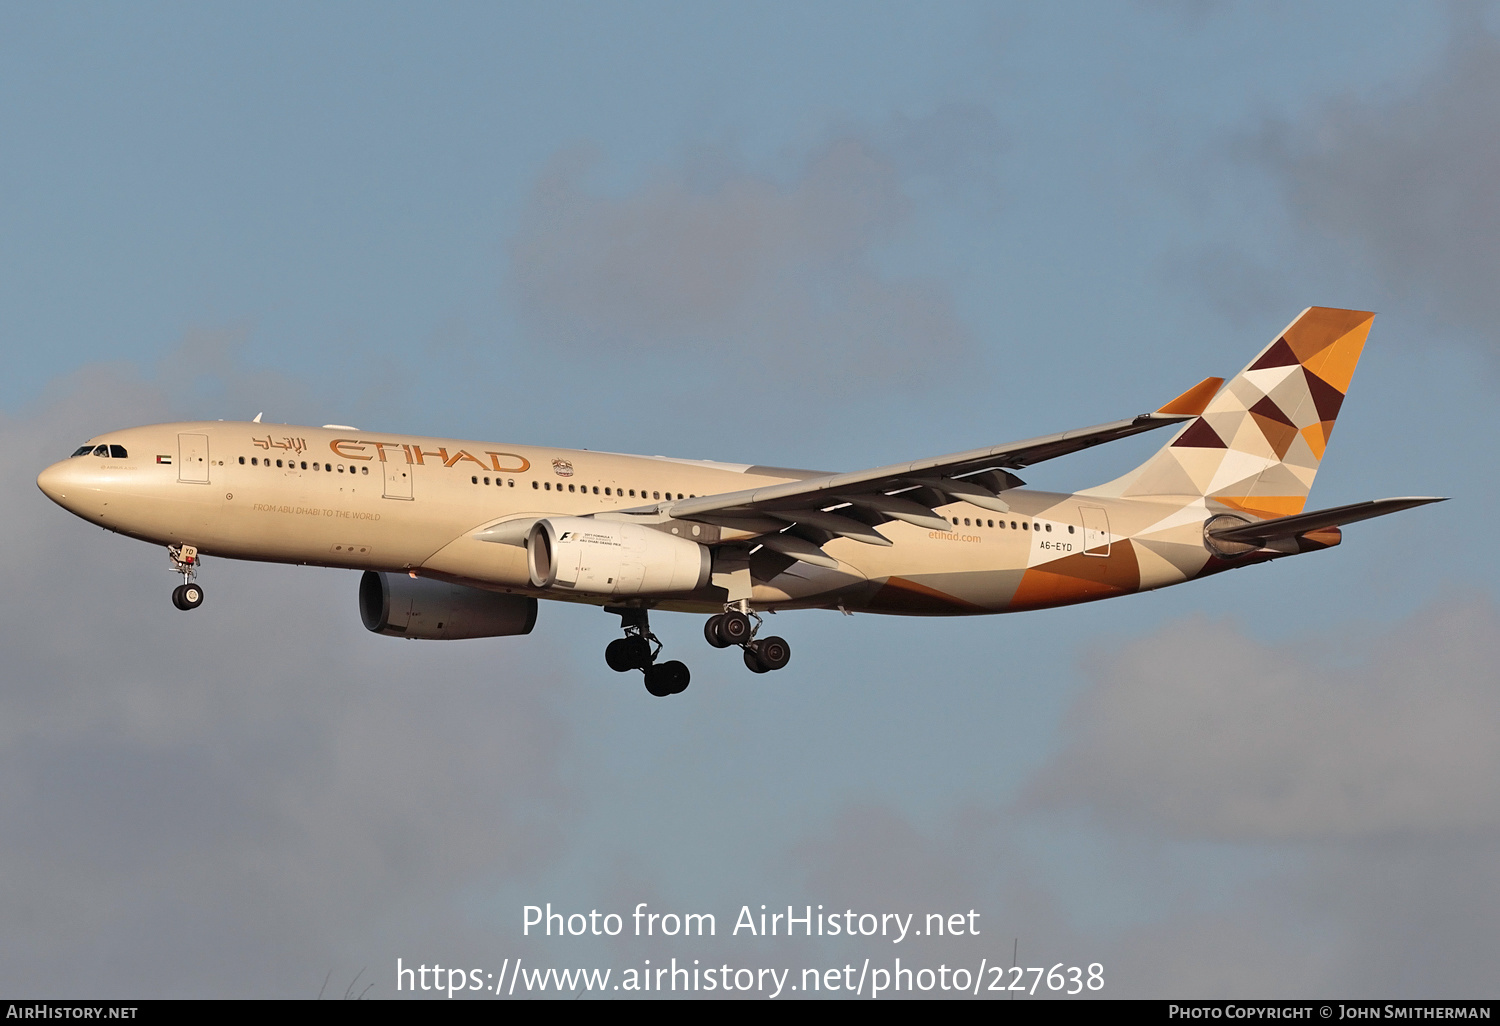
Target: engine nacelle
[(416, 607), (606, 557)]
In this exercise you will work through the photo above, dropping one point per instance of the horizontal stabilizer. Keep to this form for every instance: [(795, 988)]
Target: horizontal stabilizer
[(1264, 531)]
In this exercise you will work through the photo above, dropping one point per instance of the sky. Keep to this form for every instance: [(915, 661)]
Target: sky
[(818, 235)]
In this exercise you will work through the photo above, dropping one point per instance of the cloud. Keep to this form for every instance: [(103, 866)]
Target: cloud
[(1406, 183), (714, 264), (1202, 733), (237, 800), (1227, 818)]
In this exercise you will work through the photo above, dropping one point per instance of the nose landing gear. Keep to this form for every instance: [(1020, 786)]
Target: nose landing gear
[(734, 627), (638, 650), (185, 561)]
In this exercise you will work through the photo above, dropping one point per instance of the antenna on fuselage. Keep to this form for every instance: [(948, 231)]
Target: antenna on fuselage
[(259, 415)]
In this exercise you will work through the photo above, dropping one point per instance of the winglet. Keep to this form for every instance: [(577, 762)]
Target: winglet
[(1194, 401)]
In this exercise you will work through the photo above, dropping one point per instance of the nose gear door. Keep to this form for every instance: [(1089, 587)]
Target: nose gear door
[(192, 459)]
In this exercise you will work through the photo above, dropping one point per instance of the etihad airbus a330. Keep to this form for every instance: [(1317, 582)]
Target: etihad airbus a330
[(459, 539)]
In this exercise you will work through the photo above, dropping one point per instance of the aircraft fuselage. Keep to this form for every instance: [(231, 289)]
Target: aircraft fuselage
[(388, 502)]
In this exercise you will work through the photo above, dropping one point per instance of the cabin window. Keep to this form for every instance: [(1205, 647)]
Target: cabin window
[(535, 485), (475, 480), (1025, 526), (242, 461), (570, 488), (1049, 528), (1070, 528), (656, 495), (278, 463), (254, 461), (304, 464), (596, 489), (992, 523)]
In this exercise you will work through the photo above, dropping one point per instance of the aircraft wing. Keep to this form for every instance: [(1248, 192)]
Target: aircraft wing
[(852, 505), (1265, 531)]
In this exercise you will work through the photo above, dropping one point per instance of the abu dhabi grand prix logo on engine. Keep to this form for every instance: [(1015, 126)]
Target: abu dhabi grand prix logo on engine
[(562, 468)]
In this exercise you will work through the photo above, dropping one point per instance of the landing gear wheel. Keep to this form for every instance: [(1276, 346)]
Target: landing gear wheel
[(773, 652), (617, 655), (632, 653), (735, 627), (752, 659), (712, 632), (187, 596), (669, 678)]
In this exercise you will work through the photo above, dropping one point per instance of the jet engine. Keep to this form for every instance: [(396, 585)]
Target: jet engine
[(416, 607), (606, 557)]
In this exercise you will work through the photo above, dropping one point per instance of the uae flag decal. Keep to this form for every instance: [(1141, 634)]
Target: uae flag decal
[(164, 459)]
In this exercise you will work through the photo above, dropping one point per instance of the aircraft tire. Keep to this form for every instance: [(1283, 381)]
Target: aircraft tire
[(773, 652), (711, 632), (619, 657), (734, 627), (677, 675), (187, 596), (656, 682), (752, 660)]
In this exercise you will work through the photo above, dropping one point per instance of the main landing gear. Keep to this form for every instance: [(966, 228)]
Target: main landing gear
[(734, 627), (638, 650), (185, 561)]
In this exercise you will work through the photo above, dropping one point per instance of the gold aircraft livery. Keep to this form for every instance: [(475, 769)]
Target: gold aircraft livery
[(459, 539)]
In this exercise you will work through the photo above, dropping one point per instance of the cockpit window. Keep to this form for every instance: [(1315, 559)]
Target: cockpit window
[(101, 450), (83, 450), (117, 452)]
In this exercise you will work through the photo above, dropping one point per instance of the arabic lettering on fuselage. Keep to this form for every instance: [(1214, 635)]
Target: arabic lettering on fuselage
[(292, 444)]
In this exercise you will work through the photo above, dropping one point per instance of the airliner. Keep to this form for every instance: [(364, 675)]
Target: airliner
[(460, 539)]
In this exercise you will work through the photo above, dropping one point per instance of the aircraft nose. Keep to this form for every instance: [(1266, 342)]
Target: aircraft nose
[(58, 480)]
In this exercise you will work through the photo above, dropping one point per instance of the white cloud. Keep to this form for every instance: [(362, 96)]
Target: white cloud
[(740, 272), (1202, 733), (1406, 183)]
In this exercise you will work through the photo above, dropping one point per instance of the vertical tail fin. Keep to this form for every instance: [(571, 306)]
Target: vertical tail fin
[(1257, 445)]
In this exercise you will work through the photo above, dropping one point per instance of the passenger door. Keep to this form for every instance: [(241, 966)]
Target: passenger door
[(1095, 530), (397, 480), (192, 459)]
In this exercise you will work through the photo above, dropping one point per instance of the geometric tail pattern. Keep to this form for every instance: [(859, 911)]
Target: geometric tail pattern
[(1258, 443)]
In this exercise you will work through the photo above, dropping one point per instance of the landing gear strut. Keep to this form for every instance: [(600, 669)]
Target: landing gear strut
[(188, 594), (734, 627), (638, 650)]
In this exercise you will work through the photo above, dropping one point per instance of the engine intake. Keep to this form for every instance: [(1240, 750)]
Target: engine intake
[(606, 557), (416, 607)]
